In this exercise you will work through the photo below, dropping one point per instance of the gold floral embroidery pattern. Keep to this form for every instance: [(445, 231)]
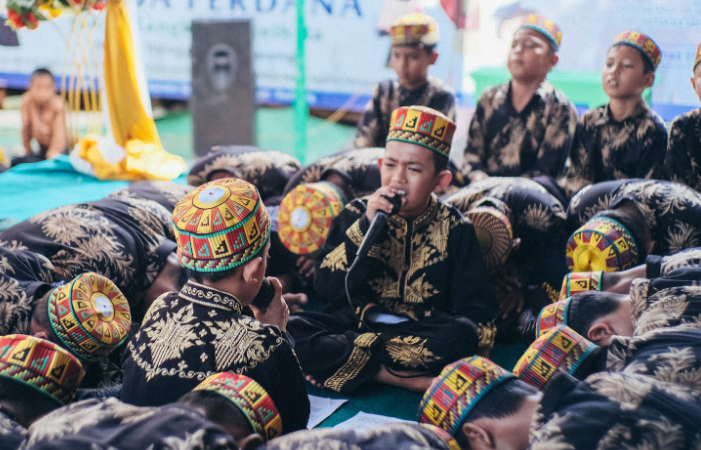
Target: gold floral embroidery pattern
[(410, 352), (336, 260), (354, 234), (240, 342), (487, 333), (193, 292), (357, 361)]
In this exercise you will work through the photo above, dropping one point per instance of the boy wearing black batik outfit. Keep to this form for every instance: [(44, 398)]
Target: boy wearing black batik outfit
[(420, 298)]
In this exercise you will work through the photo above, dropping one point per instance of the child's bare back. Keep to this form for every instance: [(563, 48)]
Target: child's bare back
[(43, 116)]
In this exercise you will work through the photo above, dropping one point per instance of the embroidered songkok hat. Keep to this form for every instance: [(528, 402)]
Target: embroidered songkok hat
[(697, 57), (250, 398), (305, 216), (89, 315), (643, 43), (601, 244), (41, 365), (220, 225), (552, 316), (576, 282), (544, 26), (559, 350), (414, 29), (457, 389), (422, 126), (494, 234)]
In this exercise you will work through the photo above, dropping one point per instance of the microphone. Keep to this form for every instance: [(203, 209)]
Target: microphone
[(378, 225)]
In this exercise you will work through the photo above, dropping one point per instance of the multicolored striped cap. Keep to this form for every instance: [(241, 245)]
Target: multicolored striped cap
[(576, 282), (601, 244), (544, 26), (457, 389), (250, 398), (645, 44), (422, 126), (220, 225), (561, 349), (494, 234), (41, 365), (305, 216), (697, 57), (414, 29), (90, 316), (552, 316)]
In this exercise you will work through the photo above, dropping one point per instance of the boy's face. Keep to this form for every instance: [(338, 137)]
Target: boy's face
[(411, 65), (530, 58), (42, 89), (696, 81), (624, 73), (410, 168)]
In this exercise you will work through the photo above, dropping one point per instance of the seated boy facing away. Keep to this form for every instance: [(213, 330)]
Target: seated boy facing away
[(43, 119), (624, 139), (683, 161), (414, 40), (421, 297), (222, 230), (523, 127)]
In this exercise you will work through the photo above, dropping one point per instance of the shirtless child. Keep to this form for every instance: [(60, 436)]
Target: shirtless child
[(43, 119)]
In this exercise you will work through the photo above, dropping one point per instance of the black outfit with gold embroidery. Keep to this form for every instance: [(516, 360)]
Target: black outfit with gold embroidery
[(538, 219), (683, 161), (111, 424), (188, 335), (505, 143), (672, 211), (605, 149), (127, 240), (165, 193), (268, 170), (12, 435), (428, 271), (390, 95), (616, 410)]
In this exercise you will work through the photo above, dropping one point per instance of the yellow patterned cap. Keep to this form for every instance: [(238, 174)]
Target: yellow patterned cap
[(414, 29), (559, 350), (89, 315), (552, 316), (305, 216), (576, 282), (544, 26), (643, 43), (41, 365), (220, 225), (250, 398), (422, 126), (601, 244)]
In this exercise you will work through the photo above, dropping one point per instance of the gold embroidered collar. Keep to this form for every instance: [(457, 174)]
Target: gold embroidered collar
[(422, 219), (207, 296)]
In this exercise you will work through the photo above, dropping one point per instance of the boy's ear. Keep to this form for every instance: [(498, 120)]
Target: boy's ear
[(599, 331), (444, 179), (434, 57), (649, 79), (693, 83), (250, 269), (554, 58), (477, 437), (251, 442)]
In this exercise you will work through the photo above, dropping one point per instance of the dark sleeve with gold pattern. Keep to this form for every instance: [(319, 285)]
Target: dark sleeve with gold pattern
[(683, 160), (370, 133), (475, 152), (559, 132)]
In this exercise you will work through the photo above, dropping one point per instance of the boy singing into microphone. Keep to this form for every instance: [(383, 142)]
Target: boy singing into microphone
[(419, 299)]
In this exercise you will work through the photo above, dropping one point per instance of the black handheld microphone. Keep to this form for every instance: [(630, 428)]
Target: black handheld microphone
[(377, 226)]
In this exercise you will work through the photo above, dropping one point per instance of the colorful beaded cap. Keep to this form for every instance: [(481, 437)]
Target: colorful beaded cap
[(576, 282), (90, 316), (552, 316), (494, 233), (414, 29), (643, 43), (220, 225), (457, 390), (544, 26), (305, 216), (601, 244), (559, 350), (42, 365), (422, 126), (250, 398), (697, 57)]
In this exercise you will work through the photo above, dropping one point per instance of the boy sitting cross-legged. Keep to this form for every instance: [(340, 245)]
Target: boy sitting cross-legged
[(421, 297)]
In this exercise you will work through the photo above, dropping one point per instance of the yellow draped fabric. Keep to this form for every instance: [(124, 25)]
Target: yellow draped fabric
[(132, 127)]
